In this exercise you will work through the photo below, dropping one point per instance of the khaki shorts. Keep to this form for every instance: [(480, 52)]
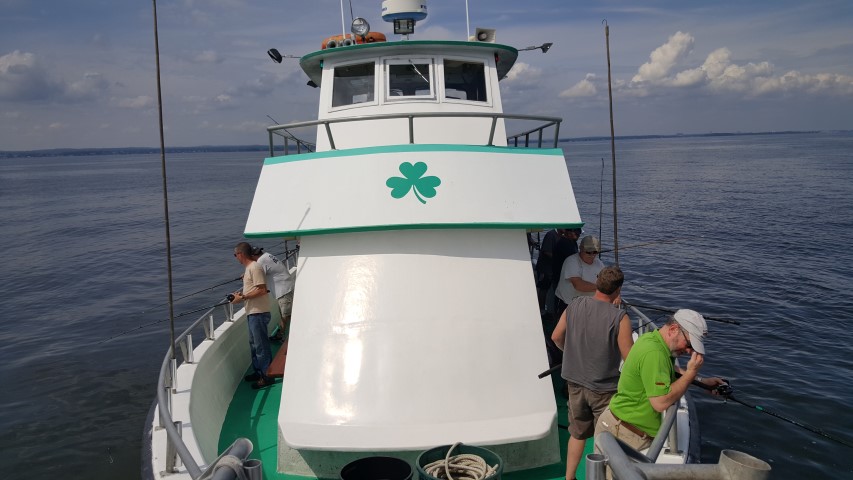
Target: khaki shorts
[(608, 423), (285, 304), (585, 406)]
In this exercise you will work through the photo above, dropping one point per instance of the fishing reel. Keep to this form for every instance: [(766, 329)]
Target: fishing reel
[(230, 297), (724, 389)]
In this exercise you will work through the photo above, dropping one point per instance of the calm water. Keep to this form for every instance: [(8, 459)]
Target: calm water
[(752, 228)]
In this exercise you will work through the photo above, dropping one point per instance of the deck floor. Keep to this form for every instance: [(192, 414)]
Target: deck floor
[(253, 414)]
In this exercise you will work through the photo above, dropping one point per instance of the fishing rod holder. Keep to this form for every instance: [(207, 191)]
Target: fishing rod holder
[(187, 348), (622, 461), (209, 329)]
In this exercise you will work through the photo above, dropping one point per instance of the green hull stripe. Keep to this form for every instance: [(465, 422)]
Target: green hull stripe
[(406, 148), (419, 226)]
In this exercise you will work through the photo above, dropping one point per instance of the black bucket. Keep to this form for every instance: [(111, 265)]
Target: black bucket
[(377, 468)]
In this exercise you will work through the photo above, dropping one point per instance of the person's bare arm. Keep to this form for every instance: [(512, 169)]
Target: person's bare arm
[(582, 285), (559, 333), (624, 337), (678, 387)]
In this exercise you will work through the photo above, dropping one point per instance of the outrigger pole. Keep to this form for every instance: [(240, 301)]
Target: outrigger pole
[(190, 465), (165, 189), (612, 145)]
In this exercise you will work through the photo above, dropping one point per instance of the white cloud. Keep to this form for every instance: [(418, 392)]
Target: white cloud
[(523, 73), (668, 72), (140, 102), (91, 86), (22, 78), (664, 58), (584, 88), (208, 56)]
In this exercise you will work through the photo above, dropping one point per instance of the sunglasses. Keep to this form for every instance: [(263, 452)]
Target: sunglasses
[(686, 339), (594, 252)]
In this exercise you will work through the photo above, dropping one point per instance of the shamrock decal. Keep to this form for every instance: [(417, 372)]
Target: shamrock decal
[(414, 180)]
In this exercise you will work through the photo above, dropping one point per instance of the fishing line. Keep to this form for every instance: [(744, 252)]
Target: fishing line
[(191, 294), (669, 310), (601, 201), (288, 254), (645, 244), (650, 322), (140, 327), (725, 390)]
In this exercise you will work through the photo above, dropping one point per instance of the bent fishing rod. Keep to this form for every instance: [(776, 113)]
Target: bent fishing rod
[(726, 391)]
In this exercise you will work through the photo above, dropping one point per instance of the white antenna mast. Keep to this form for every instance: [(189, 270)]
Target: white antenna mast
[(343, 25), (467, 22)]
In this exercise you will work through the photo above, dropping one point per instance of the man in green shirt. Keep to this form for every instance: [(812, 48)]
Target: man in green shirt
[(647, 385)]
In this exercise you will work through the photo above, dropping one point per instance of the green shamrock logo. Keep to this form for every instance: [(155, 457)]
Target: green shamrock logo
[(414, 180)]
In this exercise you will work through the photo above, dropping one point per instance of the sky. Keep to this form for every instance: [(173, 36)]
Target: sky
[(82, 73)]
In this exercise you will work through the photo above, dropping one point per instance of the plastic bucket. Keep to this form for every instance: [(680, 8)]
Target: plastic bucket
[(439, 453), (377, 468)]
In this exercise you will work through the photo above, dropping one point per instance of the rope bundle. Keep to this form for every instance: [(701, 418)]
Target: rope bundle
[(460, 467)]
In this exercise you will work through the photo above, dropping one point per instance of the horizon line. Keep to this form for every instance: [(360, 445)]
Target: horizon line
[(260, 147)]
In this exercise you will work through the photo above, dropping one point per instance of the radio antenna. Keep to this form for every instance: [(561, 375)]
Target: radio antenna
[(467, 22), (343, 25)]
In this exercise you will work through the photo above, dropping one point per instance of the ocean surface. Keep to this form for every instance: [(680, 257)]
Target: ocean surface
[(753, 228)]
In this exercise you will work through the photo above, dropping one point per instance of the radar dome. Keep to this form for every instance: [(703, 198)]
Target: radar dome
[(400, 9)]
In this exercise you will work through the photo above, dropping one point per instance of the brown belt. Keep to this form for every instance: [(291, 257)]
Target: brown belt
[(631, 428)]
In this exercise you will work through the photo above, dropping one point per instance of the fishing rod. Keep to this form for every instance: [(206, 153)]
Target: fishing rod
[(669, 310), (288, 254), (645, 244), (726, 391), (228, 299)]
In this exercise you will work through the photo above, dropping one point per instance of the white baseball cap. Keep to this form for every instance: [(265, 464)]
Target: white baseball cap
[(694, 324)]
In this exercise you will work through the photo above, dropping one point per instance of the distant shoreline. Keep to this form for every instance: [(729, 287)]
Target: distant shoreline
[(64, 152)]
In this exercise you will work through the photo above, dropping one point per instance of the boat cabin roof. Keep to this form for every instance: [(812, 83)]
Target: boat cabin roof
[(505, 56)]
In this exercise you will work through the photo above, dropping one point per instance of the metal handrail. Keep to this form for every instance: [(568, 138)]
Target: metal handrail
[(549, 121), (617, 455), (299, 142), (169, 367), (668, 423)]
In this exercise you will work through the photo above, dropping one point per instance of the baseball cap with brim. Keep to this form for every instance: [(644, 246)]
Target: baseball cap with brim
[(694, 324), (590, 244)]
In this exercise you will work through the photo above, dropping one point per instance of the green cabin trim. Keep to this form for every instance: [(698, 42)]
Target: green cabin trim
[(417, 226), (412, 148)]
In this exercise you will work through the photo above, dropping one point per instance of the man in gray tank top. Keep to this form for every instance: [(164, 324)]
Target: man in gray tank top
[(594, 334)]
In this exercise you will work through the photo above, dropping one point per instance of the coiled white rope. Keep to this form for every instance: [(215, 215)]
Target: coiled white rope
[(460, 467)]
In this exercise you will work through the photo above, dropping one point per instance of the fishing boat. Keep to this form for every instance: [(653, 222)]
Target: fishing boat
[(415, 321)]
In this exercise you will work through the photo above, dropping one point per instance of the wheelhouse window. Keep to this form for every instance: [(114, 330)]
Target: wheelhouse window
[(354, 84), (465, 80), (410, 78)]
